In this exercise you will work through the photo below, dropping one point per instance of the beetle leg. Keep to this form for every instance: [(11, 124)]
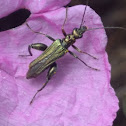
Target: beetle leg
[(38, 46), (51, 72), (82, 61), (83, 52), (40, 32), (63, 31)]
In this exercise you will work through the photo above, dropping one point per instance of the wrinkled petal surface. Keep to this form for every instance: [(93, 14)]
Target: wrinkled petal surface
[(76, 95), (35, 6)]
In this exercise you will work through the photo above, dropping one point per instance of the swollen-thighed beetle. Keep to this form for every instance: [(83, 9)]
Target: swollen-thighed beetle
[(56, 50)]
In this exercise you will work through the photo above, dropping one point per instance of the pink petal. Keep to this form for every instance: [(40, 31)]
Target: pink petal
[(35, 6), (76, 95), (44, 5), (7, 6)]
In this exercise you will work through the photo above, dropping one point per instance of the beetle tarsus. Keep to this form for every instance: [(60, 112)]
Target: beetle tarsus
[(38, 91)]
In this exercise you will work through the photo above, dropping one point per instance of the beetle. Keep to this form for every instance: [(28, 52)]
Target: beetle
[(56, 50)]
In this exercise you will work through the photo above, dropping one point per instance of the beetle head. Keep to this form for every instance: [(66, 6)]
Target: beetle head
[(78, 32)]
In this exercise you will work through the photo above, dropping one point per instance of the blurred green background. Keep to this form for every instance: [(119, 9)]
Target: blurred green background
[(113, 13)]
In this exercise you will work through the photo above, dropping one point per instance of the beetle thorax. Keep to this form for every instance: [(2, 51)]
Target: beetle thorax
[(76, 34), (71, 38)]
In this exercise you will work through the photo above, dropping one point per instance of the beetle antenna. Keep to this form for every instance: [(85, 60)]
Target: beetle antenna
[(90, 29), (84, 13)]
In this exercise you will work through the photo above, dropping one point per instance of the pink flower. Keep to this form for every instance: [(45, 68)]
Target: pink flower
[(76, 95)]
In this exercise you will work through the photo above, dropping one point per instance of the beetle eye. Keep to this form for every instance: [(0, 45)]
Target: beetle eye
[(80, 33)]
